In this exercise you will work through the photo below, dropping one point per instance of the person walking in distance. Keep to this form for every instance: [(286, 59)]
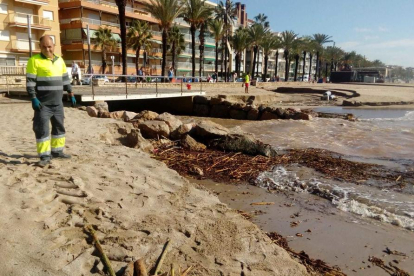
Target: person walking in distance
[(75, 72), (47, 78), (246, 83)]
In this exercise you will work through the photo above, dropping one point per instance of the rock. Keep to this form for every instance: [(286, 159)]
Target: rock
[(101, 106), (247, 108), (302, 116), (268, 116), (92, 111), (128, 116), (117, 114), (238, 114), (220, 111), (146, 115), (195, 170), (105, 114), (245, 143), (208, 130), (188, 142), (216, 101), (134, 139), (201, 110), (351, 103), (250, 99), (239, 106), (253, 114), (172, 121), (181, 131), (228, 103), (83, 108), (201, 100), (280, 112), (154, 129)]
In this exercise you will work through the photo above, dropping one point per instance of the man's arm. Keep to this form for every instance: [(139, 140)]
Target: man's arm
[(66, 81), (31, 74)]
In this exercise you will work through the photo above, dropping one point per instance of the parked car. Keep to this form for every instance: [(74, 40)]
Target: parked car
[(129, 79), (87, 80)]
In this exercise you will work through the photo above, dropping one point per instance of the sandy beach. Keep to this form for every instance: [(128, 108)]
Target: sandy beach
[(136, 203)]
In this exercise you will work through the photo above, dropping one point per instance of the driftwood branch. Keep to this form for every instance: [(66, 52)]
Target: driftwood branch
[(161, 258), (98, 246)]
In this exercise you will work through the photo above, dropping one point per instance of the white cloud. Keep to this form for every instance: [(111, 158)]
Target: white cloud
[(362, 30), (371, 37), (383, 29)]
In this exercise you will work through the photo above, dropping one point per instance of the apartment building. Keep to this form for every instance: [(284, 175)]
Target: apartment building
[(14, 20)]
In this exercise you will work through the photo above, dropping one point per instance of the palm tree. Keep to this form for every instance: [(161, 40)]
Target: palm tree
[(261, 18), (195, 14), (121, 10), (165, 11), (256, 34), (320, 40), (202, 38), (138, 36), (216, 27), (104, 40), (176, 43), (270, 42), (297, 50), (334, 54), (239, 43), (226, 12), (288, 40)]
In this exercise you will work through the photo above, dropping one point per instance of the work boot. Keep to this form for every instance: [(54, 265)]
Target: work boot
[(44, 161), (60, 155)]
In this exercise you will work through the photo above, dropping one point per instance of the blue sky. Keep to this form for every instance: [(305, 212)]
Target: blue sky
[(378, 29)]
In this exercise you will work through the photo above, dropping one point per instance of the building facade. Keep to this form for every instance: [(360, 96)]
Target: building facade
[(15, 16)]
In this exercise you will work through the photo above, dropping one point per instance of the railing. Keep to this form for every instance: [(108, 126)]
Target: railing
[(21, 18), (156, 50), (157, 33), (136, 80), (12, 70), (100, 22), (24, 45)]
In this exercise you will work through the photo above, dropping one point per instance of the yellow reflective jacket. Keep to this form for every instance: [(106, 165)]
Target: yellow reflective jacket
[(46, 79)]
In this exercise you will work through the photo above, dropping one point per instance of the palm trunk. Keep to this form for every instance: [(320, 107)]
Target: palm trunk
[(310, 66), (103, 61), (201, 47), (296, 67), (121, 9), (266, 58), (317, 65), (277, 58), (222, 58), (193, 30), (304, 64), (173, 58), (216, 57), (326, 69), (287, 65), (226, 57), (137, 59), (257, 62), (237, 64), (164, 51), (254, 60)]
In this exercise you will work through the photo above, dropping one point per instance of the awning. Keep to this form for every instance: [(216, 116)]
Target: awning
[(183, 70), (156, 41), (117, 37), (209, 59), (209, 46)]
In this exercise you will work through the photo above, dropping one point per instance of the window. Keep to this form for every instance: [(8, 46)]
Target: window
[(4, 35), (48, 15), (7, 61), (3, 8)]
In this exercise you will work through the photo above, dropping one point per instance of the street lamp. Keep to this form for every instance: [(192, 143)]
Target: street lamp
[(113, 66)]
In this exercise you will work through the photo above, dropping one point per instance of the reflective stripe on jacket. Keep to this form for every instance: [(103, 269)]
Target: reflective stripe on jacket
[(46, 79)]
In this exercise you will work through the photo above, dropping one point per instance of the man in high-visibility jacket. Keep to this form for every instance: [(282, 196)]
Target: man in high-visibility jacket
[(46, 79)]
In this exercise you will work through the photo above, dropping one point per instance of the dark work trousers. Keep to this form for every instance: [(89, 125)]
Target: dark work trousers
[(46, 144)]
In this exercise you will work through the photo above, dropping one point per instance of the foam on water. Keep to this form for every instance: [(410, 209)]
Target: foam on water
[(347, 199)]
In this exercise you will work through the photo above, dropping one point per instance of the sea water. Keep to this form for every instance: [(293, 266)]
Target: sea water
[(384, 137)]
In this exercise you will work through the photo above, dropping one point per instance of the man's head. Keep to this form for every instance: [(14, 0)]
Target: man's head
[(46, 46)]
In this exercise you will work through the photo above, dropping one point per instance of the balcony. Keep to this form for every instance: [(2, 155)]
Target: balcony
[(23, 46), (34, 2), (36, 22)]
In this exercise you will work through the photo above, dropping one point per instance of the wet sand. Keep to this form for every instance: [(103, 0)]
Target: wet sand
[(338, 238)]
